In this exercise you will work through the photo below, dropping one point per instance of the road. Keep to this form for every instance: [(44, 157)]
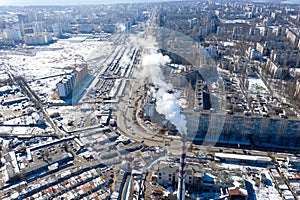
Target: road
[(31, 94), (130, 125)]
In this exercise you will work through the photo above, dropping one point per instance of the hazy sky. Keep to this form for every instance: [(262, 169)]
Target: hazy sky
[(67, 2)]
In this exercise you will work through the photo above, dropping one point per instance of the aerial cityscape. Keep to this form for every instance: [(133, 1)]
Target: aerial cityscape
[(150, 100)]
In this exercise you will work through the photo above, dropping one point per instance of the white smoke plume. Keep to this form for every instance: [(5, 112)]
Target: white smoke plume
[(121, 27), (150, 69), (169, 105), (142, 41), (166, 103)]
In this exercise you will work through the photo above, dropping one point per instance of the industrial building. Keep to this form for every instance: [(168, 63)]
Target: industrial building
[(39, 159), (198, 178)]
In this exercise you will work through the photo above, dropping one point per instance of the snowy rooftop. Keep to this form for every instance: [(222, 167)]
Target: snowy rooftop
[(243, 157)]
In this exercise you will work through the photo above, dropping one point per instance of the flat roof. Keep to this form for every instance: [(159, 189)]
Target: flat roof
[(42, 164), (243, 157), (5, 88), (15, 100)]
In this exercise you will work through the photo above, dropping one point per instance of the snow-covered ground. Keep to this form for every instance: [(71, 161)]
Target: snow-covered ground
[(256, 85), (81, 116), (45, 87), (3, 75), (57, 58), (41, 63)]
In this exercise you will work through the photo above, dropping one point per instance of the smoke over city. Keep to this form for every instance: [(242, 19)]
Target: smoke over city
[(121, 27), (151, 70), (166, 103)]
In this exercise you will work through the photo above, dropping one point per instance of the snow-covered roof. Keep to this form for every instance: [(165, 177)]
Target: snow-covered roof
[(243, 157), (5, 88)]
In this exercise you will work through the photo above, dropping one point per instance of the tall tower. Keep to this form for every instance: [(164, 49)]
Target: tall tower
[(182, 169)]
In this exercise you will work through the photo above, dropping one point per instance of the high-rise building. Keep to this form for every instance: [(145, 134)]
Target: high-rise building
[(13, 34), (23, 18), (38, 27), (27, 28), (32, 16), (81, 73), (38, 38), (66, 86), (291, 36), (40, 16), (62, 90), (57, 29)]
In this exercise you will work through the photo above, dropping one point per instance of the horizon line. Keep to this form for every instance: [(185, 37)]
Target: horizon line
[(76, 3)]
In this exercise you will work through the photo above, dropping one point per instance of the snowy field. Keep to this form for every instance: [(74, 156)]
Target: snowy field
[(257, 86), (47, 64), (57, 58), (80, 116), (3, 75)]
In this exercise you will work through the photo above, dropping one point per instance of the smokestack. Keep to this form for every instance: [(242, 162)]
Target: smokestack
[(182, 169)]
